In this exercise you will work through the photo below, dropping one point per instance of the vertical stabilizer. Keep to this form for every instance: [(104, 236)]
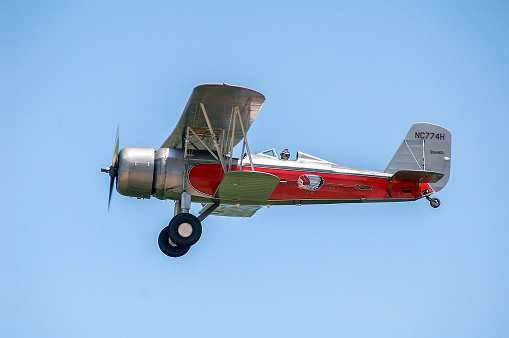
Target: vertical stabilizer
[(426, 147)]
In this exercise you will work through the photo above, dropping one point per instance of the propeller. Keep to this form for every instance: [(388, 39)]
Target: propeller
[(112, 170)]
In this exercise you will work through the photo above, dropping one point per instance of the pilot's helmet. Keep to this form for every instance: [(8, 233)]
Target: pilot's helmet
[(285, 154)]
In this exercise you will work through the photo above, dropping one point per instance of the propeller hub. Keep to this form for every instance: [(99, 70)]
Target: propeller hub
[(113, 171)]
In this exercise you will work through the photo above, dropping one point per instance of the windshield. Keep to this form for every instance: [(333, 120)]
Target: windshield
[(270, 152)]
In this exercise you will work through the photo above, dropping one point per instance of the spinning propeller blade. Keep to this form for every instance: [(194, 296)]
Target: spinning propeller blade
[(115, 153), (112, 169), (112, 182)]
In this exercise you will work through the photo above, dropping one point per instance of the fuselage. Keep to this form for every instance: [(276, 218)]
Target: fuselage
[(306, 180)]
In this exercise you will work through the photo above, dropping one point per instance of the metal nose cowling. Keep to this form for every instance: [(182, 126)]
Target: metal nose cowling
[(136, 172)]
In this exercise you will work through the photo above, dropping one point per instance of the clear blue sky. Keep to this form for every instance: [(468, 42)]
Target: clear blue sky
[(343, 81)]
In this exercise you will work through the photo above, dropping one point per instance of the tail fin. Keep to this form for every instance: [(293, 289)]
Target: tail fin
[(426, 147)]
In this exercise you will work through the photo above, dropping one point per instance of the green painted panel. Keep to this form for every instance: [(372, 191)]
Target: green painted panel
[(247, 186)]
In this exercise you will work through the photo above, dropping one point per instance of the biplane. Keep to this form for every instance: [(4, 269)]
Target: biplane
[(196, 164)]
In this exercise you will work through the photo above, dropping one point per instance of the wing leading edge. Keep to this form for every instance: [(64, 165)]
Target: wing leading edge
[(219, 102)]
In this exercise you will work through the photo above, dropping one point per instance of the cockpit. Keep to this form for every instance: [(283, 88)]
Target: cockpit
[(285, 154), (300, 156)]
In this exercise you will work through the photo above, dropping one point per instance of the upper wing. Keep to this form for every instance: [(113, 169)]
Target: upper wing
[(219, 102)]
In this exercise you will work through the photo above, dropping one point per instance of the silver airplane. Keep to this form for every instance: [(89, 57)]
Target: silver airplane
[(196, 164)]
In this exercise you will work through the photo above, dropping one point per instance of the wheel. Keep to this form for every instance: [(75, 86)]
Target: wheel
[(184, 229), (169, 248), (434, 202)]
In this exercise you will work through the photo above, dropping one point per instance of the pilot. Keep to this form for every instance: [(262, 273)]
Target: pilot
[(285, 154)]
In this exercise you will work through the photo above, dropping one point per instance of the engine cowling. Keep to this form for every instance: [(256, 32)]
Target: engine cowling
[(135, 172)]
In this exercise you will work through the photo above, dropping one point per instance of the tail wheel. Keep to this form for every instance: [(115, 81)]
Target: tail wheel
[(168, 247), (434, 202), (185, 229)]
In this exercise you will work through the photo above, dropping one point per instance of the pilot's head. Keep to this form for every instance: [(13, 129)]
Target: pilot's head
[(285, 154)]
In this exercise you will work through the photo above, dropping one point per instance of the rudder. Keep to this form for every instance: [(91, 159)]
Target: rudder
[(426, 147)]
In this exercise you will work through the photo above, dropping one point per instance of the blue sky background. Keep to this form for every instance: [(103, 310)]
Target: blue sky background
[(343, 81)]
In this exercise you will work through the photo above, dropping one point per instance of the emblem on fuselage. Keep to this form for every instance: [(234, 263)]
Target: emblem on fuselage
[(310, 182)]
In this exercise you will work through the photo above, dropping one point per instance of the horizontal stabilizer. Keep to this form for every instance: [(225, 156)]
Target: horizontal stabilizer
[(247, 187), (417, 176), (233, 210)]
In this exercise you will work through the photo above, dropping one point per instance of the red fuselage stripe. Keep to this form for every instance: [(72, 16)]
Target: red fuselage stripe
[(305, 185)]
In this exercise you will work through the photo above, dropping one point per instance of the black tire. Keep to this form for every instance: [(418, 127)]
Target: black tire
[(167, 248), (434, 202), (185, 229)]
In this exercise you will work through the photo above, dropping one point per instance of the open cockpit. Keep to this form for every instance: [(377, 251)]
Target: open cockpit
[(271, 153)]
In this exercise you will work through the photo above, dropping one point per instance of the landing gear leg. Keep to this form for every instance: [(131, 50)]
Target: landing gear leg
[(183, 231), (434, 202)]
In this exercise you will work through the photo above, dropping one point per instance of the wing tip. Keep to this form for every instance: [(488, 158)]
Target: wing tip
[(225, 88)]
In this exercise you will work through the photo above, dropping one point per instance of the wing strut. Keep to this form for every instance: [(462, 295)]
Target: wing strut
[(189, 129), (213, 136), (237, 113), (233, 135), (211, 133)]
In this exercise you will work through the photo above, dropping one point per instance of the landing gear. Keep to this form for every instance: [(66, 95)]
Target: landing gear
[(434, 202), (184, 229), (168, 247)]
